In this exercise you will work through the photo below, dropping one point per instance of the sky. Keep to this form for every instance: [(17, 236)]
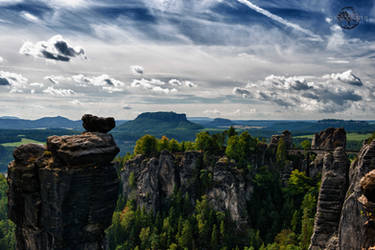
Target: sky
[(238, 59)]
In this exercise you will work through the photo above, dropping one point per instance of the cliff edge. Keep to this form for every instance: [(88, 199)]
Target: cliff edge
[(62, 196)]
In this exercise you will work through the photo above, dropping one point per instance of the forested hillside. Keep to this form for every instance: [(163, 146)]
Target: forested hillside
[(279, 212)]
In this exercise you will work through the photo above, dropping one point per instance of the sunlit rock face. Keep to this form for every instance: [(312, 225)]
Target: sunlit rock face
[(329, 139), (150, 181), (63, 196)]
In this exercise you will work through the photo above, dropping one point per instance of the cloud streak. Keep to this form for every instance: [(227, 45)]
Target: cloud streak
[(280, 20)]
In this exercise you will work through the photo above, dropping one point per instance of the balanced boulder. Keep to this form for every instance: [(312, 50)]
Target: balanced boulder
[(98, 124)]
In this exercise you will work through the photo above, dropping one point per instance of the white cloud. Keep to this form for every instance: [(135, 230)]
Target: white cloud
[(345, 77), (55, 79), (336, 39), (137, 70), (37, 84), (30, 17), (6, 2), (190, 84), (82, 80), (330, 93), (107, 83), (68, 3), (337, 61), (175, 82), (16, 82), (56, 48), (178, 83), (59, 92), (240, 91), (76, 102), (154, 85), (111, 89), (1, 59)]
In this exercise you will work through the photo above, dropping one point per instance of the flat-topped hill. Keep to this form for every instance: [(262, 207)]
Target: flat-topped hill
[(170, 124)]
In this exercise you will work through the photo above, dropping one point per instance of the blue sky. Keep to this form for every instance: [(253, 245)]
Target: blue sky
[(238, 59)]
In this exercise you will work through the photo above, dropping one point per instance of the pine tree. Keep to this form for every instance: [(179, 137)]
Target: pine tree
[(214, 238), (307, 229), (186, 238)]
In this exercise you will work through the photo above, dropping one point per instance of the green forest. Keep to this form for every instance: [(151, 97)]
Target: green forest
[(7, 228), (282, 216)]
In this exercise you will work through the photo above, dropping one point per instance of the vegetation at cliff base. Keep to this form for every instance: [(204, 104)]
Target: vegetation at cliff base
[(7, 228), (281, 214)]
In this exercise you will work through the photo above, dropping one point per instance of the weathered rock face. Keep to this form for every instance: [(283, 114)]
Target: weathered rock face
[(140, 181), (316, 167), (150, 181), (228, 191), (98, 124), (286, 136), (331, 197), (63, 196), (357, 227), (329, 139), (368, 186)]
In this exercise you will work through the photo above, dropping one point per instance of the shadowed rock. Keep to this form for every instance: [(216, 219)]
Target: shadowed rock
[(331, 197), (63, 197), (357, 227), (98, 124), (29, 152)]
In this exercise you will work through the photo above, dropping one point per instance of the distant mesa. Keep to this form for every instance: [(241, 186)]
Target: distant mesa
[(170, 124), (163, 116), (221, 122), (98, 124)]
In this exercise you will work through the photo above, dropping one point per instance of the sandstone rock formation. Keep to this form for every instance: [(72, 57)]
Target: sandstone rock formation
[(229, 193), (63, 196), (350, 225), (331, 197), (151, 181), (329, 139), (357, 227), (98, 124), (286, 136)]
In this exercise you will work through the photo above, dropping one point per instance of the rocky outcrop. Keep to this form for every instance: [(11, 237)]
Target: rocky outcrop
[(98, 124), (63, 196), (357, 227), (141, 183), (329, 139), (228, 191), (152, 181), (331, 197), (286, 136)]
